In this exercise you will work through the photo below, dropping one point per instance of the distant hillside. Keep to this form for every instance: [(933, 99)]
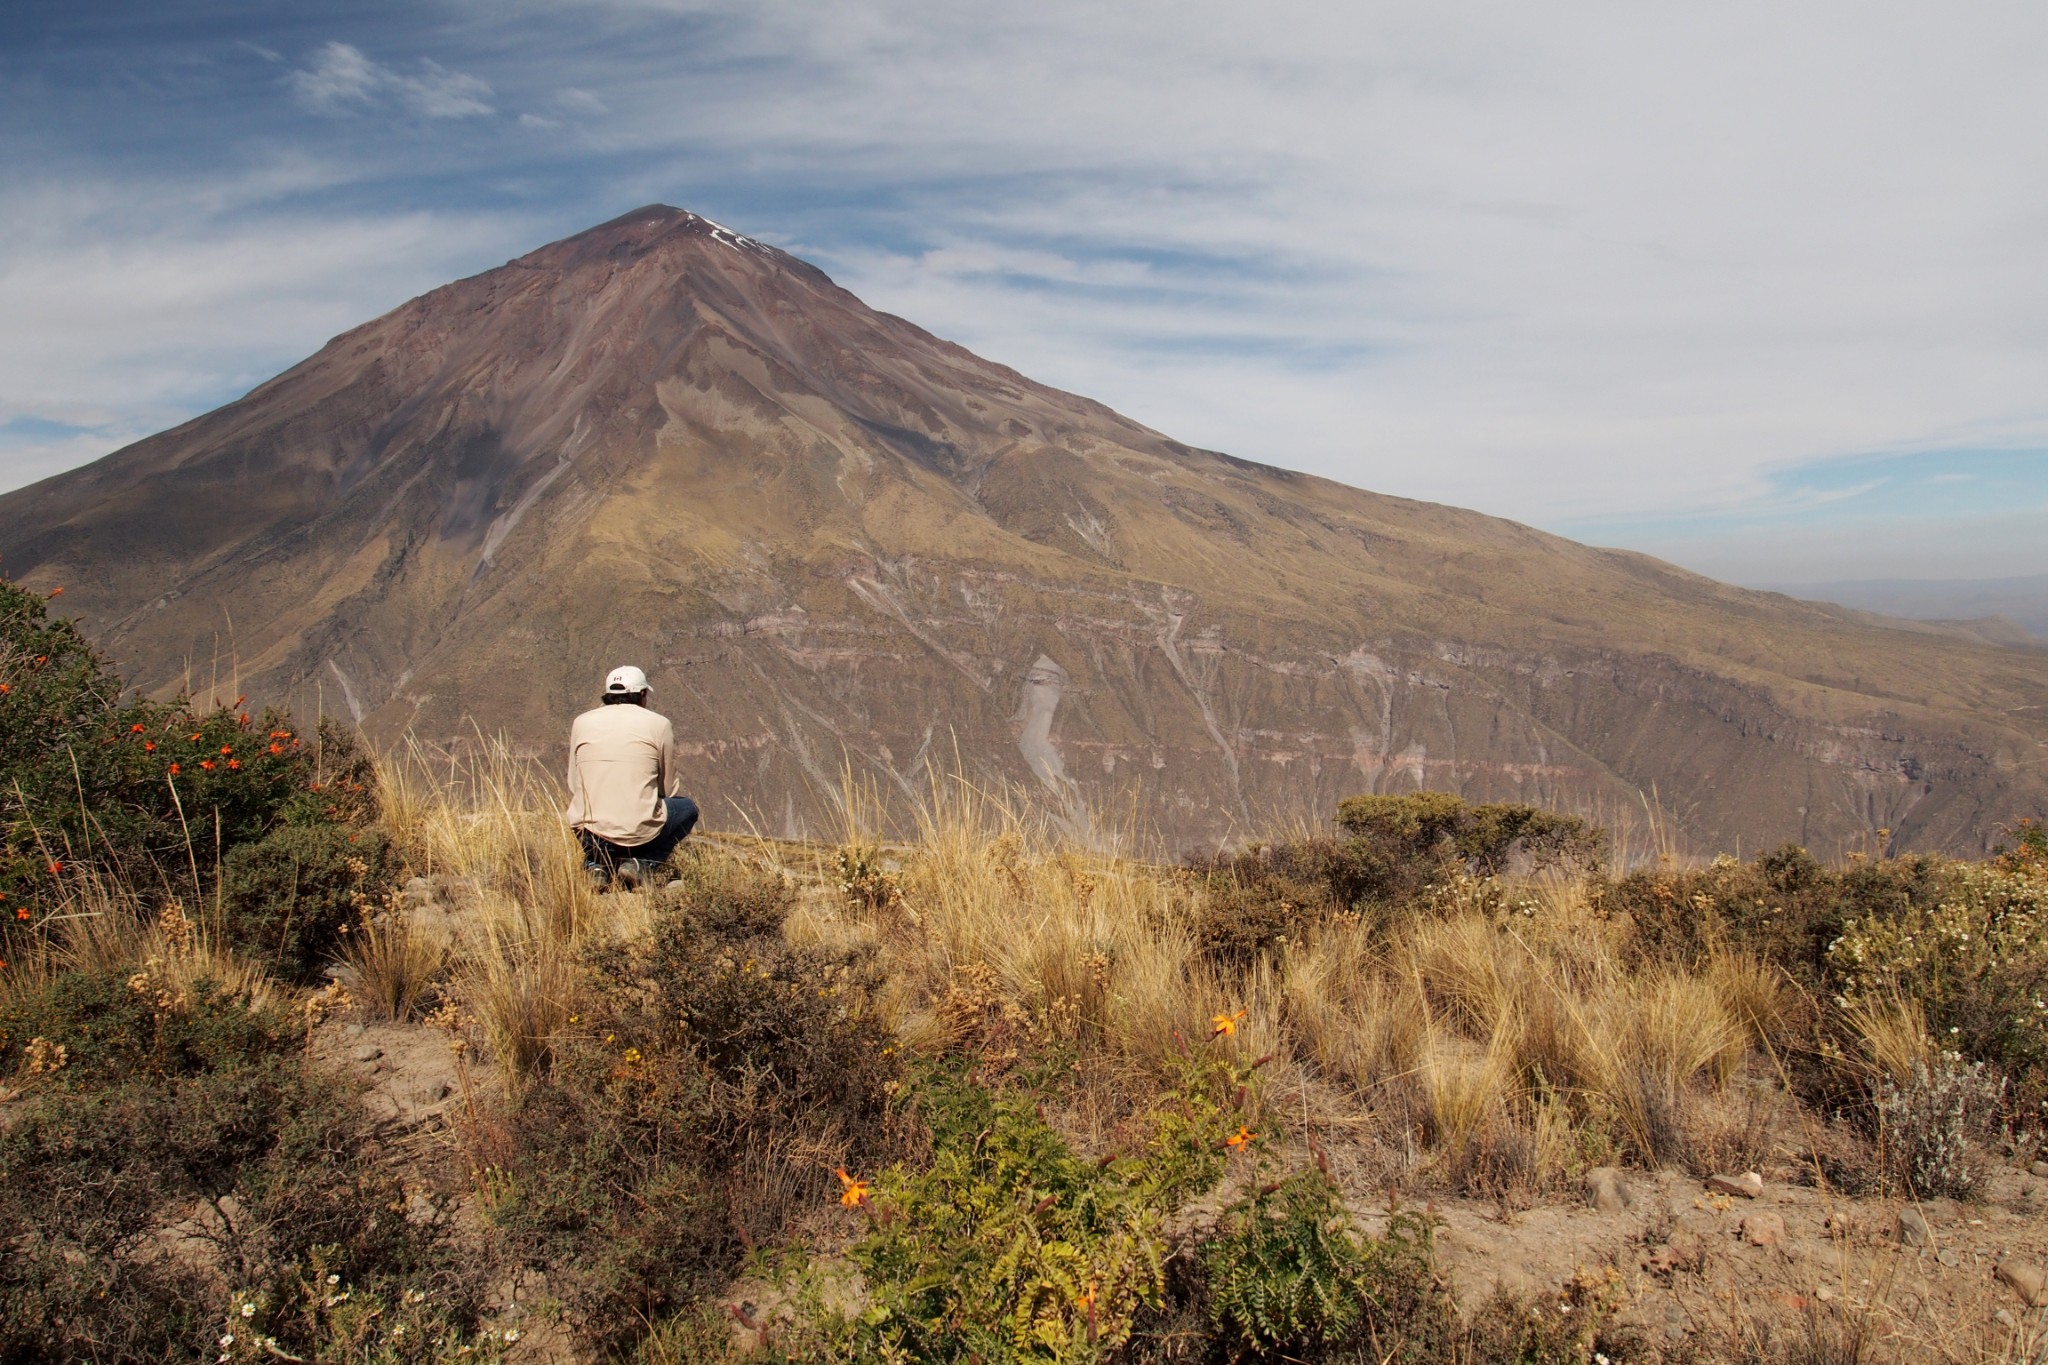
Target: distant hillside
[(2022, 601), (833, 538)]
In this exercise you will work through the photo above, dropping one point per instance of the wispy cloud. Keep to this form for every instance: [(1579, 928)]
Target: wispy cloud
[(1587, 265), (340, 79)]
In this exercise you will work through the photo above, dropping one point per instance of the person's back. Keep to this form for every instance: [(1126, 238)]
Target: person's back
[(623, 781)]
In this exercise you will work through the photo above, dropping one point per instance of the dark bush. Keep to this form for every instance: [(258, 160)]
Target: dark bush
[(288, 898), (1436, 826), (720, 1077), (1784, 908), (116, 1027), (1395, 848), (179, 1150)]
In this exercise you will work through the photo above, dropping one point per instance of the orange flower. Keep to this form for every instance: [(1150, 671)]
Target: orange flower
[(149, 746), (136, 728), (6, 687), (1240, 1139), (277, 748), (21, 912), (243, 718), (234, 763), (174, 770), (197, 737), (1225, 1024), (227, 748), (853, 1191), (56, 868), (280, 734), (206, 763), (56, 592), (42, 659)]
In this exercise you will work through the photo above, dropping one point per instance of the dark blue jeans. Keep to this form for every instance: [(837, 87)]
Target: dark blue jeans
[(682, 818)]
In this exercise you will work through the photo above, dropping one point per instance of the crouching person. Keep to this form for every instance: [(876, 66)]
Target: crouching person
[(623, 802)]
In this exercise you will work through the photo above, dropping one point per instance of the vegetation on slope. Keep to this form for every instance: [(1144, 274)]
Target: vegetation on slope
[(981, 1096)]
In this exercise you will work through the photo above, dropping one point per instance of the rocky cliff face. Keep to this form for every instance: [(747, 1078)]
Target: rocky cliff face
[(835, 540)]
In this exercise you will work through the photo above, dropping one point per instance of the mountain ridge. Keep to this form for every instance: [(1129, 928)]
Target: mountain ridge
[(835, 536)]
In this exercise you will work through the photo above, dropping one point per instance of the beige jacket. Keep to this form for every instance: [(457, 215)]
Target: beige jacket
[(622, 761)]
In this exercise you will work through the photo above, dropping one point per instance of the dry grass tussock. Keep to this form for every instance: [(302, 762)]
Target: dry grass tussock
[(1512, 1035), (104, 925), (488, 820)]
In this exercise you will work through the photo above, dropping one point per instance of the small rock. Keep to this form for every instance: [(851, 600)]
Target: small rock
[(2004, 1318), (433, 1092), (2039, 1169), (1948, 1258), (354, 1031), (1748, 1185), (1825, 1293), (1913, 1229), (368, 1052), (1607, 1191), (2026, 1279), (1763, 1229)]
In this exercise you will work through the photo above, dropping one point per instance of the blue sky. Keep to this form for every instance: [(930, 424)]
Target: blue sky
[(1756, 287)]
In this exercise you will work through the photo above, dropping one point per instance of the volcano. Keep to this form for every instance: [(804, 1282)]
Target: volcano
[(840, 544)]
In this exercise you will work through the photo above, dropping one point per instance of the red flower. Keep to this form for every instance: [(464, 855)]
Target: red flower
[(244, 718)]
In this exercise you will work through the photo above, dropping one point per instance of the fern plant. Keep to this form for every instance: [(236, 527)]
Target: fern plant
[(1287, 1267)]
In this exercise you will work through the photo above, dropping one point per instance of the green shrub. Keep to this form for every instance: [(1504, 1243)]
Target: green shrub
[(149, 793), (1008, 1247), (1975, 964), (1286, 1268), (288, 898)]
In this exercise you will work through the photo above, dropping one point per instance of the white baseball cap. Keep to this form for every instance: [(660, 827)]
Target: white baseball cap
[(625, 681)]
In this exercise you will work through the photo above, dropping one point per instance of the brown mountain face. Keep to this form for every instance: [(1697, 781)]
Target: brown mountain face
[(833, 538)]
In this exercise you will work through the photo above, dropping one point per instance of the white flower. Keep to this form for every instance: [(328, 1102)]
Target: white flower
[(334, 1279), (248, 1310), (511, 1334), (227, 1339)]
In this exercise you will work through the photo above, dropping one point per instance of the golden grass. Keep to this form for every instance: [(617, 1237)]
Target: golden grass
[(393, 966), (490, 819), (1517, 1022)]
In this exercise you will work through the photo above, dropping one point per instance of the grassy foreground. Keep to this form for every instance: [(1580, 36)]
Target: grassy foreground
[(378, 1077)]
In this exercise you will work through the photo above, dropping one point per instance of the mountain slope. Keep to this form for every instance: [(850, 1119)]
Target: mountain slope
[(833, 537)]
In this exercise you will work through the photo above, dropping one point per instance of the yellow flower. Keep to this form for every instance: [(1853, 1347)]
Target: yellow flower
[(853, 1191)]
